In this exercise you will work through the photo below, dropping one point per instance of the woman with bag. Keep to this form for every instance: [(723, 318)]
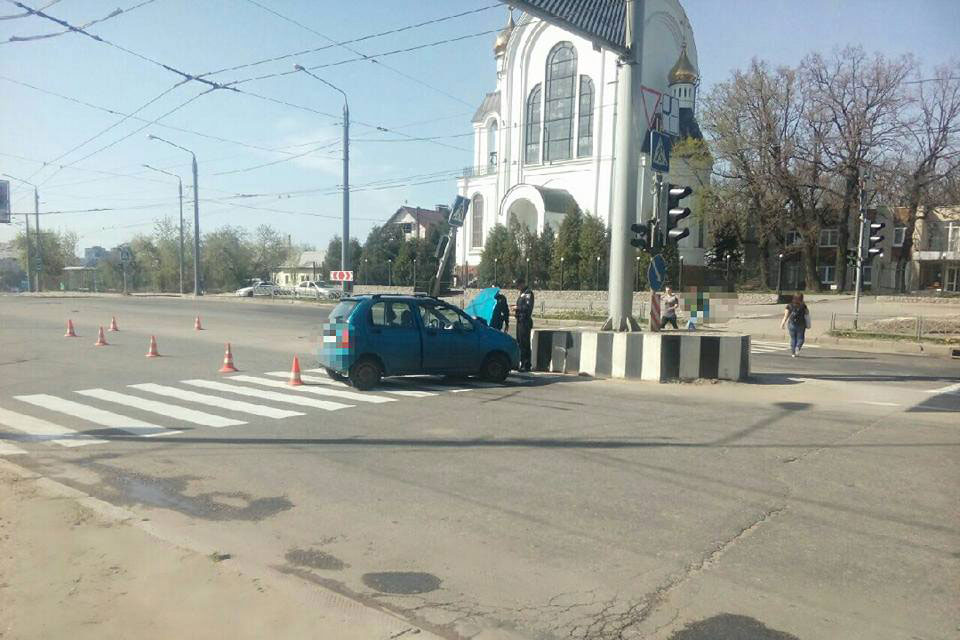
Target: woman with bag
[(796, 318)]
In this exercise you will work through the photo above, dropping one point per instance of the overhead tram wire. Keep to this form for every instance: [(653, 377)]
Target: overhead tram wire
[(44, 36), (287, 56), (359, 53), (276, 162), (27, 14)]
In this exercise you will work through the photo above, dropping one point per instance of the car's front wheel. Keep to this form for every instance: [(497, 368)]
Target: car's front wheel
[(335, 376), (495, 368), (366, 374)]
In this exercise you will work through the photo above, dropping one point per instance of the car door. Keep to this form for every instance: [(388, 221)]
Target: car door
[(450, 340), (394, 337)]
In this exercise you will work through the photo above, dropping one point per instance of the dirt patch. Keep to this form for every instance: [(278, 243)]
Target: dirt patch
[(315, 559), (401, 582)]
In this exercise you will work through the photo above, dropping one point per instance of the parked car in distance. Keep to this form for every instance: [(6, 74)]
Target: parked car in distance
[(317, 289), (256, 288), (371, 336)]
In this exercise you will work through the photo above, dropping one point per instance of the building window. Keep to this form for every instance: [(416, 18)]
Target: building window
[(827, 274), (559, 102), (532, 154), (585, 131), (829, 237), (476, 228), (492, 145), (407, 227), (953, 236), (899, 233), (792, 238)]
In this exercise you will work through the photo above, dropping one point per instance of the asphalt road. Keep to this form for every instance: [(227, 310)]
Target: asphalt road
[(817, 501)]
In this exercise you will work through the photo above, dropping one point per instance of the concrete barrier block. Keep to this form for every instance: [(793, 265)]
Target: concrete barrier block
[(690, 358), (729, 362), (588, 353), (651, 355)]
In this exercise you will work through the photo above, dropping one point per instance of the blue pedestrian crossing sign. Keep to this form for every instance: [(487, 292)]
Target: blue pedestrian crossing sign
[(660, 152), (657, 272)]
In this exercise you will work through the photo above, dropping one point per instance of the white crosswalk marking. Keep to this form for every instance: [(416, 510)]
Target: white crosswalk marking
[(418, 383), (163, 408), (97, 416), (7, 449), (268, 395), (216, 401), (322, 378), (321, 391), (37, 429)]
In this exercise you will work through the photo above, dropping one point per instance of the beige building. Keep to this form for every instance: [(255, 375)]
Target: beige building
[(415, 223), (935, 260), (309, 266)]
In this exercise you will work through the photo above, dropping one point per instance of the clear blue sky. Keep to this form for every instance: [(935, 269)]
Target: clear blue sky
[(198, 37)]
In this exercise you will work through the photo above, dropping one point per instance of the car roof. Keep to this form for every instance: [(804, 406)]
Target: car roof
[(392, 296)]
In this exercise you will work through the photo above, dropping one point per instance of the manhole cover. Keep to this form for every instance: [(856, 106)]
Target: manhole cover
[(401, 582)]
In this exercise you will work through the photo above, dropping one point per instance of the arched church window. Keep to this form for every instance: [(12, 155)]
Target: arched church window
[(492, 145), (476, 226), (585, 135), (532, 134), (559, 102)]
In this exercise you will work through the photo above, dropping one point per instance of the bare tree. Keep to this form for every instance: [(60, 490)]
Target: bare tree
[(854, 106), (931, 159)]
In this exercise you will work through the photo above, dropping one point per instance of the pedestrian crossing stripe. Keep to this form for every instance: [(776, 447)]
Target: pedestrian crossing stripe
[(324, 391), (97, 416), (37, 429), (7, 449), (287, 398), (163, 408), (238, 406)]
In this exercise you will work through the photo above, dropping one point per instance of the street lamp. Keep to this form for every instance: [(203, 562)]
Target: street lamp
[(414, 274), (680, 275), (528, 273), (390, 272), (366, 262), (598, 274), (561, 273), (495, 260), (344, 253), (728, 270), (637, 270), (196, 214), (26, 217), (779, 275), (180, 189)]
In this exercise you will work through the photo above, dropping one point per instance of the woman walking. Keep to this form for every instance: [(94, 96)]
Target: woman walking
[(796, 318)]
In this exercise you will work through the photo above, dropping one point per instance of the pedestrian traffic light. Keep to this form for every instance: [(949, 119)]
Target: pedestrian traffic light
[(675, 213), (874, 240), (644, 238), (852, 257)]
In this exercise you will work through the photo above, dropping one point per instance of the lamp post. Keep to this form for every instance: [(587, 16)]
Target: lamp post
[(779, 275), (26, 217), (637, 274), (196, 215), (561, 273), (344, 253), (728, 270), (180, 191), (680, 275), (390, 272), (528, 273), (414, 274), (598, 274), (495, 260)]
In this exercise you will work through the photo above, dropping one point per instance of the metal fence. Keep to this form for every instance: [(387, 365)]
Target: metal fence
[(913, 327)]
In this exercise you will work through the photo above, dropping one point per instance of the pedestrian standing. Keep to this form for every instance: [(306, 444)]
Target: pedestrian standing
[(524, 314), (501, 313), (796, 318), (669, 303)]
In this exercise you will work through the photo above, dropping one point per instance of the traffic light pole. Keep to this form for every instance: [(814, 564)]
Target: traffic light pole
[(36, 219), (859, 280)]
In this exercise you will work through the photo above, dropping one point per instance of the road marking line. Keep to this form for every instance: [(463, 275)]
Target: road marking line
[(948, 389), (163, 408), (268, 395), (38, 429), (97, 416), (412, 382), (217, 401), (325, 391), (879, 404), (322, 378), (7, 449)]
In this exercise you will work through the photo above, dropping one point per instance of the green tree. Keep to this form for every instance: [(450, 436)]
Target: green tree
[(593, 244), (566, 254), (331, 260), (227, 259), (496, 262), (269, 251)]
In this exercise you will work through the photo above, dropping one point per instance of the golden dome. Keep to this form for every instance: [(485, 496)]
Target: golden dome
[(500, 45), (683, 71)]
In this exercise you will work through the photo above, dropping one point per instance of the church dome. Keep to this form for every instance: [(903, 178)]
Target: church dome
[(683, 71), (500, 45)]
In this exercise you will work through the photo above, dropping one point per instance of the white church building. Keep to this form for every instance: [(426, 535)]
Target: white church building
[(544, 139)]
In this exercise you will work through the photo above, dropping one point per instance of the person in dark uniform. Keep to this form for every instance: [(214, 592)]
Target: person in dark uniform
[(501, 313), (524, 314)]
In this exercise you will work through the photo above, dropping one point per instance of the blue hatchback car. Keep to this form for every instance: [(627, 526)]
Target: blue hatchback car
[(371, 336)]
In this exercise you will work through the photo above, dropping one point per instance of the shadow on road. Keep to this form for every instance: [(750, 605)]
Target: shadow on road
[(787, 379), (730, 627)]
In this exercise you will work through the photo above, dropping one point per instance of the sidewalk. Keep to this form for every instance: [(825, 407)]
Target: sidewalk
[(74, 567)]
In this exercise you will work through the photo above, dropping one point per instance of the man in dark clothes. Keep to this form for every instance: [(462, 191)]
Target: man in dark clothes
[(524, 314), (501, 313)]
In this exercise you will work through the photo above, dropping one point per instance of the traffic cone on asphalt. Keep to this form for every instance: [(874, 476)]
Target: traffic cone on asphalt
[(69, 333), (295, 380), (152, 351), (228, 361), (101, 341), (113, 324), (196, 324)]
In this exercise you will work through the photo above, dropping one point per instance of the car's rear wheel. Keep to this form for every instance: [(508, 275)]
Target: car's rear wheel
[(366, 374), (495, 368)]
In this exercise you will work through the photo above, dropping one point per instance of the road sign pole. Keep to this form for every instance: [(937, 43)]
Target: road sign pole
[(629, 136)]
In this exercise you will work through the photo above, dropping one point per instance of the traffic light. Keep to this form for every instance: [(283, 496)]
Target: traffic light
[(644, 237), (676, 213), (852, 257), (874, 240)]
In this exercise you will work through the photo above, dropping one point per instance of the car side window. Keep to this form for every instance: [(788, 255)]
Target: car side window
[(435, 317), (393, 315)]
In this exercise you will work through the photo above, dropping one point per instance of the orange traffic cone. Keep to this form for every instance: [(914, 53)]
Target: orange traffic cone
[(69, 333), (113, 324), (101, 341), (152, 351), (295, 380), (196, 324), (228, 361)]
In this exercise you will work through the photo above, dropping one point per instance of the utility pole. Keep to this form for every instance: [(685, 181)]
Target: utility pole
[(629, 136), (36, 218), (26, 237), (180, 192)]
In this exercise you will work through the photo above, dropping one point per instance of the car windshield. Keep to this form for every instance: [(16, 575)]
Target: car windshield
[(342, 311)]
